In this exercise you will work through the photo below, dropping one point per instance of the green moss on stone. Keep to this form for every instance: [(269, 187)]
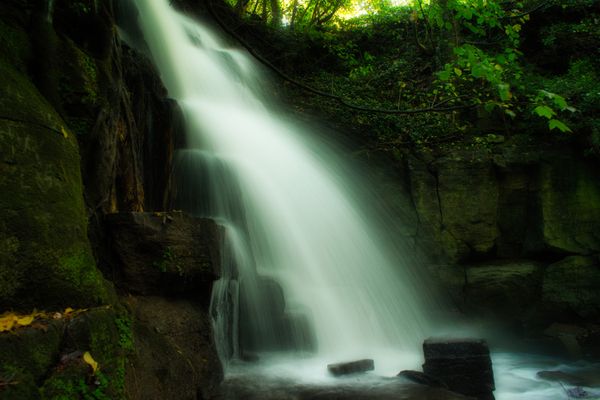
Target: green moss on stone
[(570, 202), (45, 213), (33, 351), (99, 332)]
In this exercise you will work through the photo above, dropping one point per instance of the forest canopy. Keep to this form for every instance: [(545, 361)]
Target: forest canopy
[(526, 63)]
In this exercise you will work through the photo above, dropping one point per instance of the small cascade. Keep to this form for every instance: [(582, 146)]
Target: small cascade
[(304, 269)]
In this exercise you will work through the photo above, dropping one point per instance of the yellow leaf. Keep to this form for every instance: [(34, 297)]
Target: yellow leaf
[(7, 322), (25, 320), (87, 357), (64, 132), (68, 311)]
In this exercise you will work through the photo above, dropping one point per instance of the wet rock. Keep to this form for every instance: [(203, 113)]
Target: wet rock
[(264, 321), (352, 367), (175, 356), (463, 364), (422, 378), (166, 253)]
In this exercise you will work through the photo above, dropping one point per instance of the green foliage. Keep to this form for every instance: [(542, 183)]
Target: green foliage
[(486, 54), (169, 262), (125, 332)]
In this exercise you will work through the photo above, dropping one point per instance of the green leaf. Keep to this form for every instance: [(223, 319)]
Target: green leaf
[(458, 71), (444, 75), (504, 91), (554, 123), (560, 102), (544, 111)]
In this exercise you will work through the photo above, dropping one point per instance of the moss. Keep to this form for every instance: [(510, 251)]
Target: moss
[(45, 212), (75, 382), (101, 332), (33, 351), (570, 201)]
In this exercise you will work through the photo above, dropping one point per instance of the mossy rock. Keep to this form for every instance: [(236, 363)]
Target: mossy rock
[(45, 256), (570, 206), (457, 199), (25, 357), (46, 358), (17, 384), (102, 333)]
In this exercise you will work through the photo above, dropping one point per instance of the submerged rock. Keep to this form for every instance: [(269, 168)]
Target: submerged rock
[(351, 367), (422, 378), (585, 377), (463, 364)]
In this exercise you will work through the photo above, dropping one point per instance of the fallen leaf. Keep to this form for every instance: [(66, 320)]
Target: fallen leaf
[(25, 320), (7, 322), (87, 357)]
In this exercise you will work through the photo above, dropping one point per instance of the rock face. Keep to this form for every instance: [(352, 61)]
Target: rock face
[(510, 229), (511, 289), (464, 365), (571, 286), (167, 253)]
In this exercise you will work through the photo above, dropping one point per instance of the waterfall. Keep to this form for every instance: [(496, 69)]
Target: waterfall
[(304, 268)]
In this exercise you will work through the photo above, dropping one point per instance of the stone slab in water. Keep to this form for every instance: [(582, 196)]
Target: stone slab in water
[(351, 367), (463, 364)]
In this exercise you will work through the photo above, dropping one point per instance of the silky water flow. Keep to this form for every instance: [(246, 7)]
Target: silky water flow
[(303, 271)]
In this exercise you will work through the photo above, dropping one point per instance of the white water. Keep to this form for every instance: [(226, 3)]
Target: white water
[(289, 215)]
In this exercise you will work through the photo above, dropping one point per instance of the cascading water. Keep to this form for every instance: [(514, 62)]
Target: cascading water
[(303, 269)]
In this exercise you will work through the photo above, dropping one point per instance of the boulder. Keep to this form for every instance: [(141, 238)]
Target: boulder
[(352, 367), (462, 364), (45, 256), (166, 253)]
